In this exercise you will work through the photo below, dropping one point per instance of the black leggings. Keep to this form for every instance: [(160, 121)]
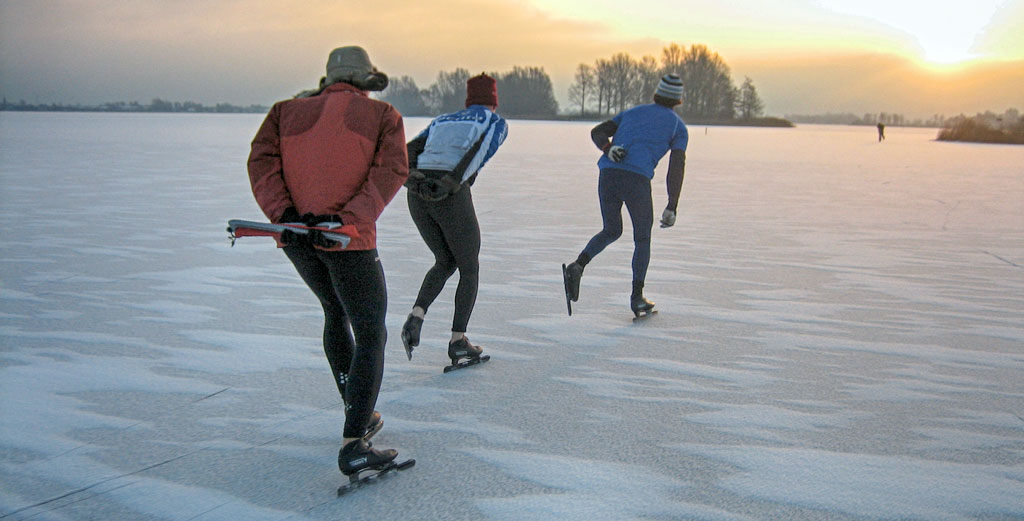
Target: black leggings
[(351, 289), (451, 231)]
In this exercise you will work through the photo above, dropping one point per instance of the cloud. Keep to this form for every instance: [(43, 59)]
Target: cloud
[(260, 51), (1003, 36), (872, 83)]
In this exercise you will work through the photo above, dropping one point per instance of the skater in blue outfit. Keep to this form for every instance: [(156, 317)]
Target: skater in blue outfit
[(444, 161), (632, 143)]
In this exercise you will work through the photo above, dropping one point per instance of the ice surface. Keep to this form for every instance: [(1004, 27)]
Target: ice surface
[(840, 336), (868, 485)]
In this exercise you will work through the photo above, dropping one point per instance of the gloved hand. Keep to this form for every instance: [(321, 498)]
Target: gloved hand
[(290, 215), (313, 220), (290, 238), (316, 238), (616, 153), (415, 176), (668, 218)]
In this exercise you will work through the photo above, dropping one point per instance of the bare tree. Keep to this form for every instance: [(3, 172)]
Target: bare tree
[(403, 93), (672, 58), (708, 89), (604, 86), (648, 76), (623, 81), (526, 91), (750, 104), (448, 94), (582, 89)]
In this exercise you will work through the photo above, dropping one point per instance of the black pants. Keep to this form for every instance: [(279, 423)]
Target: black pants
[(352, 291), (452, 232)]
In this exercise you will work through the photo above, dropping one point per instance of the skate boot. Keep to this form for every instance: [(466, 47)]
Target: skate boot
[(359, 455), (573, 273), (411, 333), (376, 424), (464, 354), (640, 306), (461, 348), (363, 464)]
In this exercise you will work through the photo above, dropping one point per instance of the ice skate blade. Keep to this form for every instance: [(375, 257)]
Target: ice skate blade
[(466, 363), (361, 478), (408, 341), (643, 315), (408, 347), (568, 294)]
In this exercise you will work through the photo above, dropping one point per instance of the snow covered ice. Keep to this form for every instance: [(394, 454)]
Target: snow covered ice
[(840, 336)]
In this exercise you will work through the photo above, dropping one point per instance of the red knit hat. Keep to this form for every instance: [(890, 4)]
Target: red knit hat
[(482, 90)]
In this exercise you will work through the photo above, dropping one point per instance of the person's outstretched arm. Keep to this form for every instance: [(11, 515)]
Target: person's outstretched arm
[(674, 184)]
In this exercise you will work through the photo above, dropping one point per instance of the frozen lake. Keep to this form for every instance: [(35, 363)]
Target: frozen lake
[(840, 336)]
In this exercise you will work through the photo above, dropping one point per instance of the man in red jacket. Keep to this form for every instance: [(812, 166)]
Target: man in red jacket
[(335, 154)]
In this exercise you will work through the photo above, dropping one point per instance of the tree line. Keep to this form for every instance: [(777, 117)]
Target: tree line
[(606, 87), (709, 94), (523, 92), (157, 105), (987, 127)]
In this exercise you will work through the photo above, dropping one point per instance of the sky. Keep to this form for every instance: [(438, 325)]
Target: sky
[(805, 56)]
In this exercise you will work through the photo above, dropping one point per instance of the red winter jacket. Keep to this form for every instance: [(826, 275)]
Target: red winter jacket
[(338, 153)]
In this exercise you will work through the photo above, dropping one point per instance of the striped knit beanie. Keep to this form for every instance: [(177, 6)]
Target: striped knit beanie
[(670, 87)]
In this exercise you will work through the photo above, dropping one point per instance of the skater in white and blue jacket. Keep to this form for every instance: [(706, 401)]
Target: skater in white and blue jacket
[(444, 161)]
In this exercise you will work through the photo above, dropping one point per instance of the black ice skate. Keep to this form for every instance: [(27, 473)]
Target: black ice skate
[(641, 307), (464, 354), (571, 275), (363, 464), (411, 333), (359, 455)]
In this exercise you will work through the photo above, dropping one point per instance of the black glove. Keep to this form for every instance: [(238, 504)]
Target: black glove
[(313, 220), (316, 238), (290, 238), (439, 188), (290, 215)]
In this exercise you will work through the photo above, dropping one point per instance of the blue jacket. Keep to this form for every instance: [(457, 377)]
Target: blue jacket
[(647, 132), (450, 136)]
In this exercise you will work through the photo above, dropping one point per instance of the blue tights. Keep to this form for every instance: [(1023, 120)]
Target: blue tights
[(615, 188)]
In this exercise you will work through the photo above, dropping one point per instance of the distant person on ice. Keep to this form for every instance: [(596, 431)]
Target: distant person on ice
[(881, 131), (632, 143), (444, 161), (337, 155)]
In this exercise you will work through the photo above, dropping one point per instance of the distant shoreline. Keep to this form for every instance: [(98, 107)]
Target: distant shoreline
[(158, 106), (966, 130), (755, 122)]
